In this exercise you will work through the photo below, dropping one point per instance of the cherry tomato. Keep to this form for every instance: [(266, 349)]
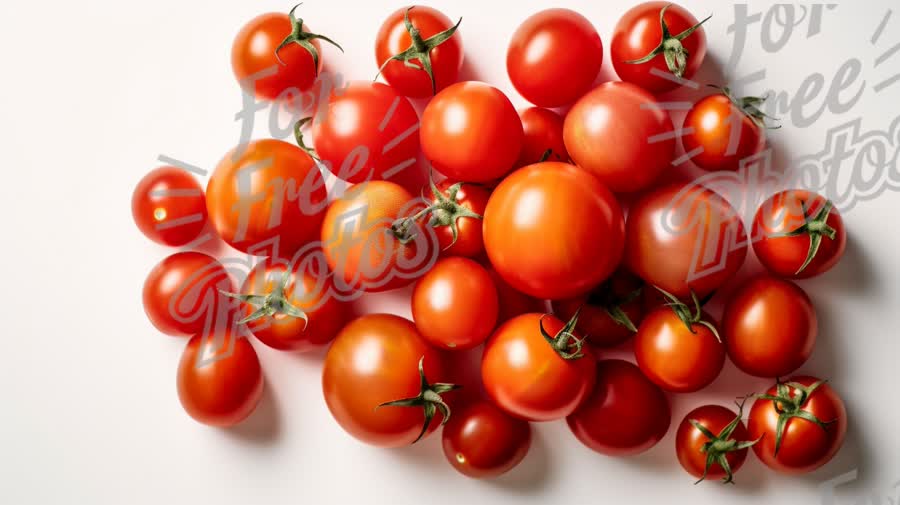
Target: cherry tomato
[(372, 386), (641, 54), (769, 327), (626, 414), (471, 132), (481, 441), (513, 302), (554, 57), (543, 131), (684, 238), (410, 36), (720, 131), (618, 132), (553, 231), (168, 206), (712, 442), (220, 381), (815, 424), (610, 312), (534, 368), (798, 234), (181, 293), (456, 211)]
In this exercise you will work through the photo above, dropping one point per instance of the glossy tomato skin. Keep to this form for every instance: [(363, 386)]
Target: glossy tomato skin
[(169, 207), (513, 302), (769, 327), (219, 385), (471, 132), (708, 132), (783, 256), (615, 132), (393, 38), (554, 57), (553, 231), (689, 441), (374, 360), (482, 442), (805, 446), (683, 238), (525, 376), (625, 415), (638, 33), (266, 195), (594, 321), (181, 293), (543, 130), (470, 236)]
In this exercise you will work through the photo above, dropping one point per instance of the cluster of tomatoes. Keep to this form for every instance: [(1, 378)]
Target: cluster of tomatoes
[(530, 212)]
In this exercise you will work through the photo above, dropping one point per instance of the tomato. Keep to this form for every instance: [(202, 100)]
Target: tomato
[(455, 304), (769, 327), (626, 414), (684, 238), (481, 441), (267, 195), (456, 210), (618, 132), (814, 424), (471, 132), (372, 387), (610, 313), (554, 57), (543, 132), (220, 381), (181, 293), (655, 43), (418, 51), (168, 206), (274, 53), (720, 131), (512, 302), (553, 231), (534, 367), (712, 442), (798, 234)]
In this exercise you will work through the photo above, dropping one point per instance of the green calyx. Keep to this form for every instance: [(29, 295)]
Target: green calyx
[(671, 47), (429, 399), (816, 227), (445, 211), (788, 400), (750, 106), (565, 343), (298, 137), (270, 304), (718, 446), (606, 298), (420, 49), (302, 38), (689, 316)]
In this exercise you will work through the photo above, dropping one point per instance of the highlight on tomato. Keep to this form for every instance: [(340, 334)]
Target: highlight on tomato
[(543, 137), (712, 442), (609, 314), (169, 207), (483, 442)]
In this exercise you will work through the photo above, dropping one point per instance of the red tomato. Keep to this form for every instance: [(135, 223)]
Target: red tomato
[(626, 414), (710, 139), (654, 40), (618, 132), (769, 327), (481, 441), (268, 196), (471, 132), (543, 131), (181, 293), (168, 206), (534, 368), (372, 387), (554, 57), (220, 381), (456, 211), (513, 302), (610, 313), (684, 238), (712, 442), (553, 231), (418, 51), (798, 234), (814, 425), (455, 304)]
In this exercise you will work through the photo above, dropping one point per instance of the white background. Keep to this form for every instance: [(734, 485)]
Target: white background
[(94, 91)]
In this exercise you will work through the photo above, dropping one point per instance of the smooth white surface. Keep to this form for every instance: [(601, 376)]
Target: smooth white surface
[(94, 91)]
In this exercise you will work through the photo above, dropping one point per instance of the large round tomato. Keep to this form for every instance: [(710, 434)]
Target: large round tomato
[(769, 327), (798, 234), (266, 197), (712, 442), (411, 35), (553, 231), (471, 132), (719, 132), (684, 238), (642, 56), (219, 381), (168, 206), (456, 211), (534, 368), (813, 420), (618, 132), (482, 441), (379, 359), (554, 57), (543, 132), (626, 414), (609, 314), (512, 301)]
